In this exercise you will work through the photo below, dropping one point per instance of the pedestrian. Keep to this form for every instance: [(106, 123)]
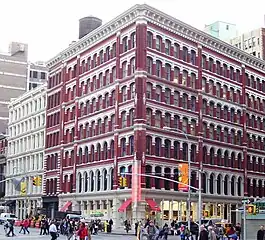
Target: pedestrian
[(136, 227), (26, 226), (11, 228), (212, 235), (110, 225), (22, 226), (53, 231), (260, 233), (203, 233), (83, 232)]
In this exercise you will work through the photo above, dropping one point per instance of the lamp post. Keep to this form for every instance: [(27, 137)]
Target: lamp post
[(189, 173)]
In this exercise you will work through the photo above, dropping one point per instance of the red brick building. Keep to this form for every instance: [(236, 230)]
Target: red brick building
[(3, 153), (115, 98)]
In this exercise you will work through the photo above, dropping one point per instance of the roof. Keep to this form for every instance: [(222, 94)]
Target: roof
[(147, 13)]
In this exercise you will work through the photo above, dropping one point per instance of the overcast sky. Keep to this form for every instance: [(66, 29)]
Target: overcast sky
[(49, 26)]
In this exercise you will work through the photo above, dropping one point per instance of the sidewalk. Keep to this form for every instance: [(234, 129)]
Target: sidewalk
[(119, 231)]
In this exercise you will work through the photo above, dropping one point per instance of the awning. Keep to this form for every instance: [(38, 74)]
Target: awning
[(66, 206), (125, 205), (153, 205), (9, 202)]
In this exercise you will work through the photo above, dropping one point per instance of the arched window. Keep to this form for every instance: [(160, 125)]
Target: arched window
[(167, 95), (99, 152), (212, 156), (105, 151), (132, 90), (225, 135), (176, 98), (148, 116), (158, 118), (193, 127), (193, 80), (131, 117), (218, 133), (167, 47), (133, 40), (80, 155), (124, 93), (149, 39), (176, 50), (158, 43), (158, 144), (132, 65), (185, 54), (167, 120), (123, 147), (176, 74), (158, 68), (185, 101), (158, 93), (101, 57), (185, 125), (125, 44), (112, 149), (108, 53), (210, 64), (168, 72), (193, 57), (131, 145), (148, 145), (211, 132), (123, 120), (167, 148), (149, 65), (92, 152), (124, 69), (185, 78), (86, 155)]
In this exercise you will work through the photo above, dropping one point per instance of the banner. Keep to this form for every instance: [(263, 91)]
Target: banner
[(17, 183), (183, 177), (23, 188)]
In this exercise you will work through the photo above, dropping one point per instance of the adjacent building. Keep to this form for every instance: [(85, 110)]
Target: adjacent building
[(252, 42), (143, 94), (3, 153), (26, 138), (13, 78), (222, 30), (37, 75)]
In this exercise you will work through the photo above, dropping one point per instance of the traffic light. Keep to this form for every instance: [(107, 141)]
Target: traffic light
[(120, 182), (124, 184), (251, 209)]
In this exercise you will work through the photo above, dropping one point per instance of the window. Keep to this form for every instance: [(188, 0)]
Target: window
[(185, 101), (167, 120), (193, 81), (176, 50), (167, 47), (210, 64), (158, 68), (148, 116), (123, 120), (131, 145), (158, 43), (114, 50), (107, 77), (133, 40), (132, 65), (218, 68), (176, 75), (204, 62), (176, 98), (158, 118), (101, 80), (125, 44), (149, 91), (149, 65), (101, 57), (132, 90), (193, 57), (193, 127), (168, 72), (123, 147), (124, 69), (149, 39), (218, 89), (185, 78), (218, 133), (185, 54), (43, 75), (158, 144), (211, 132), (158, 93), (124, 94), (185, 125), (108, 53), (167, 96)]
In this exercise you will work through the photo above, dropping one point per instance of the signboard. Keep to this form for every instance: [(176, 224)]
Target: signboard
[(183, 177)]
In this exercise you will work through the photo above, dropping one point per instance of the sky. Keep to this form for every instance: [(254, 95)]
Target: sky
[(50, 26)]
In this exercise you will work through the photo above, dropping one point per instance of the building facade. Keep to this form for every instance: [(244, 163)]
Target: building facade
[(37, 75), (25, 156), (222, 30), (252, 42), (3, 153), (119, 100), (13, 78)]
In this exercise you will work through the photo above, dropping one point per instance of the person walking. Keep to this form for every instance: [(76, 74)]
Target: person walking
[(26, 226), (22, 226), (53, 231), (261, 233), (203, 234), (83, 232), (11, 229)]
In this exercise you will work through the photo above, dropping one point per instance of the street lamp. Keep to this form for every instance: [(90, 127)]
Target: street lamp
[(189, 166)]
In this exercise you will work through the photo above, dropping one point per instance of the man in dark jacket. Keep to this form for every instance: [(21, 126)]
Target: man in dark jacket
[(260, 233), (203, 233)]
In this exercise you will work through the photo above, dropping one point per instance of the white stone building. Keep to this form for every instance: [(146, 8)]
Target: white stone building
[(26, 143)]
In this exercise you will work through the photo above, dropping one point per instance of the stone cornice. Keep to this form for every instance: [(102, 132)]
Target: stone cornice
[(147, 13)]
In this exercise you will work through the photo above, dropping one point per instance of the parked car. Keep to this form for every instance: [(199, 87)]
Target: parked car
[(7, 217)]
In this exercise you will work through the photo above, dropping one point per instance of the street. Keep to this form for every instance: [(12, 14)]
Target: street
[(34, 235)]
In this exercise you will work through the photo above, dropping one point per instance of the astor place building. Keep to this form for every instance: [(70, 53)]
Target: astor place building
[(150, 91)]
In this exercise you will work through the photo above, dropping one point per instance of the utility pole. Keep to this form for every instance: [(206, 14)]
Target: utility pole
[(200, 198)]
